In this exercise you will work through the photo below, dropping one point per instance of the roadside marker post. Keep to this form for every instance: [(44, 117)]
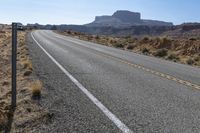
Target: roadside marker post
[(14, 64)]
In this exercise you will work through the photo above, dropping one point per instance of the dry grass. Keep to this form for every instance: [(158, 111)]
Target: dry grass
[(28, 113), (190, 61), (173, 57), (130, 46), (161, 52), (145, 51), (118, 45), (36, 88), (27, 64)]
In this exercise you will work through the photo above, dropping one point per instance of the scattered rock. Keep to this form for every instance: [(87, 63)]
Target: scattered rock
[(27, 73), (50, 115), (28, 109), (5, 83)]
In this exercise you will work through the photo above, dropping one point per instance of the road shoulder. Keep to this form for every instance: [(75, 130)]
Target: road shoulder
[(73, 111)]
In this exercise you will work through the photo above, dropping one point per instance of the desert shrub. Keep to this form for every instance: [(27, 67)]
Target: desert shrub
[(192, 39), (161, 52), (118, 45), (173, 57), (145, 51), (132, 40), (145, 39), (190, 61), (36, 88), (165, 40), (112, 41), (127, 37), (157, 39), (130, 46), (97, 37), (76, 33), (69, 32), (165, 43), (89, 37), (196, 58)]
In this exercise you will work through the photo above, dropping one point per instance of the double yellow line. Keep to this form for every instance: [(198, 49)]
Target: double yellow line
[(160, 74), (166, 76)]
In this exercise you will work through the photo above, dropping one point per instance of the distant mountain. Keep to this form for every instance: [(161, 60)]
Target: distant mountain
[(183, 30), (123, 18), (139, 30), (126, 23)]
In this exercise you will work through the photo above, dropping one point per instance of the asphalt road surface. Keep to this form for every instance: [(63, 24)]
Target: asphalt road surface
[(94, 88)]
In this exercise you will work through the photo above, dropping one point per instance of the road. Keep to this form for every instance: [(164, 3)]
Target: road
[(94, 88)]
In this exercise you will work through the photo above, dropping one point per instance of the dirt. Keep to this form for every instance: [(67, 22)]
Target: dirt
[(29, 114)]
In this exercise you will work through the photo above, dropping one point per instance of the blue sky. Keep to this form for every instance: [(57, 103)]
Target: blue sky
[(84, 11)]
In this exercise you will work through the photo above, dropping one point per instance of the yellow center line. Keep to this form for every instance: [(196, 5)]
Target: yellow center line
[(163, 75), (166, 76)]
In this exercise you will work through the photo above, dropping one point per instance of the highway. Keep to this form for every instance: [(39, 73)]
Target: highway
[(95, 88)]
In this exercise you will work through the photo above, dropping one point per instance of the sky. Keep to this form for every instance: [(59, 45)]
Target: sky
[(84, 11)]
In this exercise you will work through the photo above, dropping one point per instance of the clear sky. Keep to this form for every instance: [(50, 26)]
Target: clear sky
[(84, 11)]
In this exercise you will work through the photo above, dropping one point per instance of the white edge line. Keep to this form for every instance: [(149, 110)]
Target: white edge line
[(106, 111)]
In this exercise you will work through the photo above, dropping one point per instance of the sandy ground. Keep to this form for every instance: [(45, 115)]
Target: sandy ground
[(28, 114)]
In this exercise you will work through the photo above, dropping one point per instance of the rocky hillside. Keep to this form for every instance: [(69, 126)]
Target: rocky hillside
[(125, 19), (186, 30)]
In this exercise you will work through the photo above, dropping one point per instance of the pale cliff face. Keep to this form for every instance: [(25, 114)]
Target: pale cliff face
[(127, 16), (123, 18)]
